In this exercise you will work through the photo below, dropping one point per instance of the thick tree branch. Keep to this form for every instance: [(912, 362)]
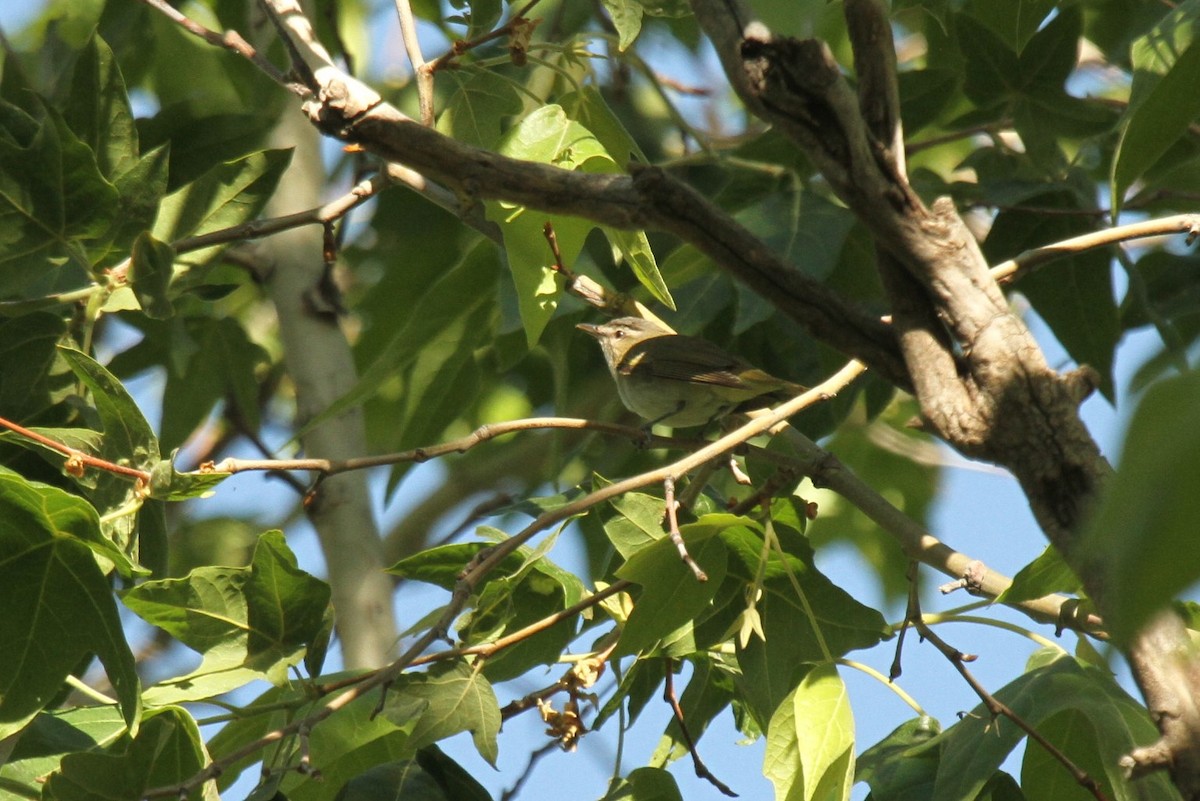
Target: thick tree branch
[(987, 390), (650, 199)]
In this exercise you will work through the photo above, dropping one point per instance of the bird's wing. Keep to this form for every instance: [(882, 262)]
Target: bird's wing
[(689, 359)]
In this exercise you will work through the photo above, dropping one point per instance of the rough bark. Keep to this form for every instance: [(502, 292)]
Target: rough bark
[(981, 379)]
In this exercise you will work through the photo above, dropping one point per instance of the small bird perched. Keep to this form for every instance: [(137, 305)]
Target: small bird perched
[(678, 380)]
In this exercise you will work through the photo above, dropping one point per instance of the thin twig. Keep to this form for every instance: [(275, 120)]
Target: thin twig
[(321, 215), (408, 32), (463, 45), (535, 757), (698, 765), (77, 460), (995, 706), (229, 40), (911, 612), (671, 513), (482, 434), (1011, 270)]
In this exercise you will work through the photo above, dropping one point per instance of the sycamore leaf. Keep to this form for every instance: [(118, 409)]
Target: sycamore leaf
[(57, 603)]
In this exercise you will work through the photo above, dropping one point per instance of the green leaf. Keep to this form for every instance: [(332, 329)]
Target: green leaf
[(476, 109), (272, 710), (1014, 21), (1051, 53), (1162, 101), (523, 589), (635, 249), (589, 108), (1142, 538), (141, 187), (454, 698), (57, 602), (248, 622), (810, 741), (28, 362), (671, 594), (1043, 777), (128, 439), (441, 564), (97, 109), (924, 94), (52, 735), (507, 606), (167, 751), (974, 748), (795, 626), (637, 524), (1045, 575), (53, 202), (222, 364), (546, 136), (431, 776), (167, 484), (626, 16), (992, 67), (346, 745), (447, 327), (226, 195), (900, 767), (150, 275), (481, 16), (647, 784)]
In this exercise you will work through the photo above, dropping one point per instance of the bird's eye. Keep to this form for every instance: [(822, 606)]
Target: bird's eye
[(618, 334)]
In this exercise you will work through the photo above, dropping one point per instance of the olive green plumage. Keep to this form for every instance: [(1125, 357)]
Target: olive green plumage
[(678, 380)]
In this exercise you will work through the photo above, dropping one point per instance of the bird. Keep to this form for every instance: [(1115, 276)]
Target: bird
[(677, 380)]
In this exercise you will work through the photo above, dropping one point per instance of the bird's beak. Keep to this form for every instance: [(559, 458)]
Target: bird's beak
[(593, 330)]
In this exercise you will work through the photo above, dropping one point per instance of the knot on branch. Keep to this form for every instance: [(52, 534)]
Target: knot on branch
[(1081, 383), (340, 105), (794, 78)]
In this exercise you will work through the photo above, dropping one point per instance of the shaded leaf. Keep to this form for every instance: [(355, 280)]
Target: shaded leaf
[(167, 751), (454, 698), (974, 748), (222, 363), (97, 109), (1142, 538), (50, 736), (57, 602), (1162, 101), (54, 201), (1073, 295), (430, 776), (626, 16), (475, 110), (226, 195), (671, 594), (150, 275), (900, 767)]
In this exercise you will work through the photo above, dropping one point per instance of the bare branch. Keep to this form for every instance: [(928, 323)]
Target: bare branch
[(424, 76), (995, 706), (230, 40), (1015, 268)]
